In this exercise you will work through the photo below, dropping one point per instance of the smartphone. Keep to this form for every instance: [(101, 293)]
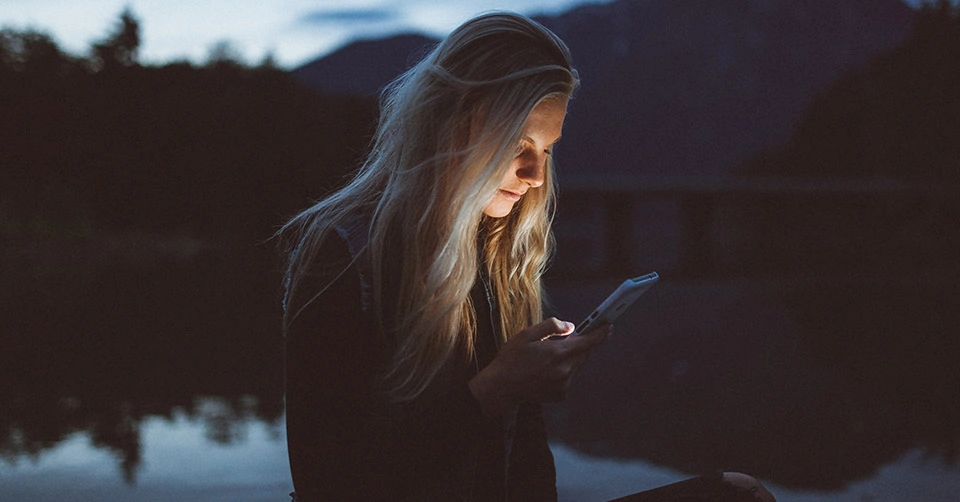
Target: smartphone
[(617, 302)]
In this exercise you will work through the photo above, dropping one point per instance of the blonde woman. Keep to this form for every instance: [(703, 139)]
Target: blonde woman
[(416, 349)]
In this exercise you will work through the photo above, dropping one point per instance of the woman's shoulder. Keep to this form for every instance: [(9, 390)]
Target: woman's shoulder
[(354, 232), (341, 246), (327, 266), (333, 256)]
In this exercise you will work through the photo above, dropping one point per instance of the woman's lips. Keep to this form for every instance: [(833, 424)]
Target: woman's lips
[(511, 196)]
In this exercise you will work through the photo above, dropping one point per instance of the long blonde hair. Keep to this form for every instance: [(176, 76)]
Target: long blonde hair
[(449, 128)]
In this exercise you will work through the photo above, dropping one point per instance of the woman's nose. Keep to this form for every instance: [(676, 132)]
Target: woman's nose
[(531, 171)]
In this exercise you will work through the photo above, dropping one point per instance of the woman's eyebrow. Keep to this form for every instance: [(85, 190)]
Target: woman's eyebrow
[(528, 138)]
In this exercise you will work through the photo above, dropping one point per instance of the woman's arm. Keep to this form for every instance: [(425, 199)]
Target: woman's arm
[(532, 475), (331, 362)]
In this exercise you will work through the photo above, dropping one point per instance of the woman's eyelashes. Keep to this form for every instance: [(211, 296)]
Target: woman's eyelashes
[(521, 148)]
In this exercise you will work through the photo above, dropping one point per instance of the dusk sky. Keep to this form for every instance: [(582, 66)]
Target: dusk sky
[(293, 31)]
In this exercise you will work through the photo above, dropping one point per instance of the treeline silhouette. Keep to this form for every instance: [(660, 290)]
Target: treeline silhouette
[(132, 202), (104, 144)]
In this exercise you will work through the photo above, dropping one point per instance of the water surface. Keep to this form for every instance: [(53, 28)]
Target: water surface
[(162, 381)]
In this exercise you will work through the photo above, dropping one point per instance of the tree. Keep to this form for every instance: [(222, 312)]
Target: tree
[(32, 52), (120, 49), (224, 53)]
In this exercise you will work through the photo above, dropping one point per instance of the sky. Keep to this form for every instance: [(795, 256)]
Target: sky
[(292, 32)]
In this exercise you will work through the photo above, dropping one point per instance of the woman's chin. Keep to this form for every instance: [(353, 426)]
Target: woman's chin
[(498, 210)]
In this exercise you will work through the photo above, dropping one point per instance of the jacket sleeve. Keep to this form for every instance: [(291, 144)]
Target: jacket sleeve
[(532, 473)]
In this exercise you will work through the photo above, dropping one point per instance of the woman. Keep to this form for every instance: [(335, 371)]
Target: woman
[(416, 353)]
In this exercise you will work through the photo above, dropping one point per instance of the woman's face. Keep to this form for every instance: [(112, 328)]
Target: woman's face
[(528, 167)]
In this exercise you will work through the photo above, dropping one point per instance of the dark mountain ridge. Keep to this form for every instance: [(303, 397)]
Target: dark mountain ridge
[(674, 87), (365, 66)]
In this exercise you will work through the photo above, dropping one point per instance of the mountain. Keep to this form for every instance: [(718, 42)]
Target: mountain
[(675, 87), (364, 67)]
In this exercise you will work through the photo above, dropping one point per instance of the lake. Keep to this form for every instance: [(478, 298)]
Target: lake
[(161, 380)]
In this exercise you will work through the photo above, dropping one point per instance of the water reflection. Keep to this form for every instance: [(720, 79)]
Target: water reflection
[(733, 379), (101, 348), (179, 463), (812, 385)]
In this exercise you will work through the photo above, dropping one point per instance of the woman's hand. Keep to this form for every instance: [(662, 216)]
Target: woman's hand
[(534, 367)]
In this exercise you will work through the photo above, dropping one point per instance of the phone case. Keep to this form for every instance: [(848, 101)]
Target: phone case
[(618, 301)]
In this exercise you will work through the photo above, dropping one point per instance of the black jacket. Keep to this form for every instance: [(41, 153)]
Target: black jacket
[(348, 443)]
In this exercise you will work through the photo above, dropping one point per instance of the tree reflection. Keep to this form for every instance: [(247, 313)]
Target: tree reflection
[(118, 430), (100, 352)]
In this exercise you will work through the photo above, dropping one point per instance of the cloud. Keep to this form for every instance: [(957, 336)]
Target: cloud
[(350, 16)]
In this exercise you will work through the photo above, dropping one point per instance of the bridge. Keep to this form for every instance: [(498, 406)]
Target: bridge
[(698, 200)]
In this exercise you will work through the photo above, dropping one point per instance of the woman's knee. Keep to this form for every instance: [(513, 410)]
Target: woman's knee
[(748, 484)]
